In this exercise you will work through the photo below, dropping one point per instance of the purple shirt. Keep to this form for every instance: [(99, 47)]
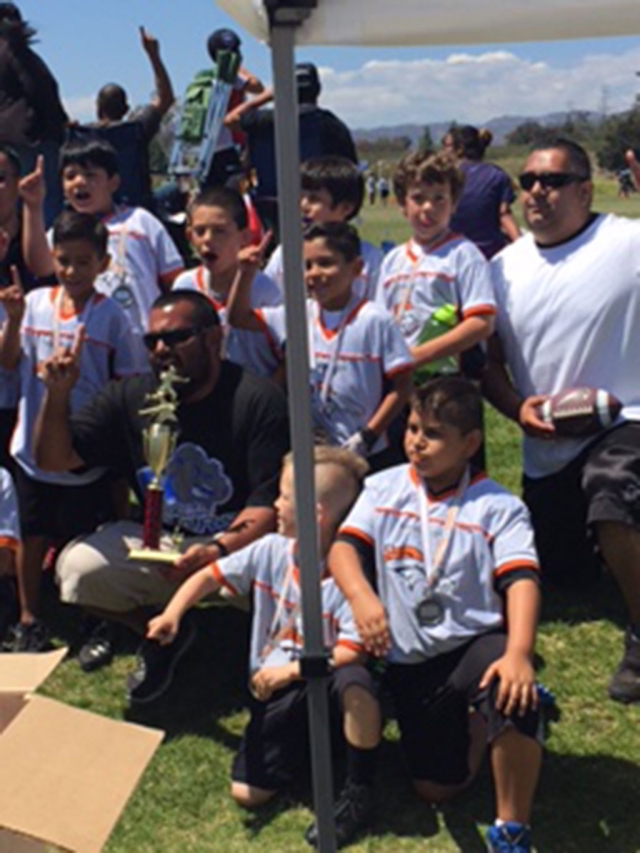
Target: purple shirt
[(477, 216)]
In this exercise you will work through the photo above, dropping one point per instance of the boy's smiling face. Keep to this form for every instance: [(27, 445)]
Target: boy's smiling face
[(318, 206), (439, 452), (76, 266), (216, 238), (89, 189), (428, 208), (327, 275)]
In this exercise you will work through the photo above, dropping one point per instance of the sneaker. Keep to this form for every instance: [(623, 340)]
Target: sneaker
[(509, 837), (353, 812), (97, 650), (625, 682), (32, 637), (156, 665)]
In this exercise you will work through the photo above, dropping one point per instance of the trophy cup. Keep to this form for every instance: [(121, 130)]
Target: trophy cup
[(159, 441)]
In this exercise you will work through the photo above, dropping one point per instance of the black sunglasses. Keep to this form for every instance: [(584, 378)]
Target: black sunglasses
[(548, 180), (171, 338)]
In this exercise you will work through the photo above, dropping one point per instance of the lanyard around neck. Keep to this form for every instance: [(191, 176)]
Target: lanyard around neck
[(57, 318), (433, 568), (325, 388)]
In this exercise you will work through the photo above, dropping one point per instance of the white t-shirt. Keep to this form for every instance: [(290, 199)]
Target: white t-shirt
[(491, 536), (414, 283), (569, 316), (252, 350), (142, 255), (364, 287), (109, 350), (267, 569), (351, 353), (9, 519)]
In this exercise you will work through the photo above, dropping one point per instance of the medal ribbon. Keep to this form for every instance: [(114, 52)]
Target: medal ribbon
[(333, 361)]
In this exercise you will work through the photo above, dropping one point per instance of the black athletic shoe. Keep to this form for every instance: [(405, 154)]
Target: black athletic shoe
[(156, 665), (625, 683), (32, 637), (352, 814), (98, 648)]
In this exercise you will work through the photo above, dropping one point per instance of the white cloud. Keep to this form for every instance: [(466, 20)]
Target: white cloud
[(81, 107), (475, 88)]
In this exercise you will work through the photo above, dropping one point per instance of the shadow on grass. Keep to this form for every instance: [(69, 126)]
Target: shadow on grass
[(595, 601)]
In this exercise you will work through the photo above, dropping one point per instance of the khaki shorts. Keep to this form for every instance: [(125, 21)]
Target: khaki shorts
[(95, 571)]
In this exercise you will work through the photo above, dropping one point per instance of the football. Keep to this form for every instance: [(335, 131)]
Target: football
[(579, 412)]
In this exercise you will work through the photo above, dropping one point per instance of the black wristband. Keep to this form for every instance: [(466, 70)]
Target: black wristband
[(222, 548), (369, 437)]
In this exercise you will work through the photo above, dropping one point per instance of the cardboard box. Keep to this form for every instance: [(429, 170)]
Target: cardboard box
[(66, 774)]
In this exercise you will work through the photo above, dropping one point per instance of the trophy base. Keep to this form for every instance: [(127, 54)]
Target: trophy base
[(153, 555)]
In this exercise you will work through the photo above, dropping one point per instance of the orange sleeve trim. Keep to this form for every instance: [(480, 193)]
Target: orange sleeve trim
[(353, 531), (479, 311), (9, 542), (514, 565), (220, 578), (353, 646), (396, 371)]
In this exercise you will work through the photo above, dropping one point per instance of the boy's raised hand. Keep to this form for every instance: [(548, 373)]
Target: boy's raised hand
[(12, 297), (371, 622), (60, 372), (250, 258), (32, 187), (517, 691), (163, 629), (150, 45)]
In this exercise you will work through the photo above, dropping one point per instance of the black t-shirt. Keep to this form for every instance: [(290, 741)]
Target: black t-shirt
[(228, 454)]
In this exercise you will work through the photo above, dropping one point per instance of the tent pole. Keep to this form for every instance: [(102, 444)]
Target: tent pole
[(314, 662)]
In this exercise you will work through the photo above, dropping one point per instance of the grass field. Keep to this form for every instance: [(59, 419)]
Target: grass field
[(590, 787)]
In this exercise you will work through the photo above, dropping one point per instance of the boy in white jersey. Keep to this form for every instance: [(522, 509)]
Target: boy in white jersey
[(456, 607), (332, 190), (218, 228), (360, 367), (144, 261), (437, 285), (58, 507), (274, 750)]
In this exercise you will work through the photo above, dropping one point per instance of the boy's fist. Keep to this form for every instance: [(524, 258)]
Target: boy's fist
[(163, 629), (32, 187), (12, 297)]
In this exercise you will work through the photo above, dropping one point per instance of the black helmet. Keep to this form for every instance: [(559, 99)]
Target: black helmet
[(223, 39), (308, 82)]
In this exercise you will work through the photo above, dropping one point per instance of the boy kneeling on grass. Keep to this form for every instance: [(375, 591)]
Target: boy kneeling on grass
[(275, 747), (456, 607)]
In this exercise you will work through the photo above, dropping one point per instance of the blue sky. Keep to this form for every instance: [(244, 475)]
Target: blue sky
[(87, 43)]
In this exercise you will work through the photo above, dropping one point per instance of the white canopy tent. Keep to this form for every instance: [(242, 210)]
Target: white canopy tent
[(361, 23)]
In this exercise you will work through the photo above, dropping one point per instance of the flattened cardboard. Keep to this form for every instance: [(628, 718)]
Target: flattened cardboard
[(24, 673), (67, 774)]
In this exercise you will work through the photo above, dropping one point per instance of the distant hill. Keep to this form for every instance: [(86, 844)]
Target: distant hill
[(499, 127)]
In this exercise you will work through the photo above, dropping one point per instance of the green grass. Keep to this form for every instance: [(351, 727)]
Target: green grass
[(590, 787)]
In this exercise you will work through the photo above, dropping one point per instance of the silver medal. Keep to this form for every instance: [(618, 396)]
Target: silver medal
[(430, 611)]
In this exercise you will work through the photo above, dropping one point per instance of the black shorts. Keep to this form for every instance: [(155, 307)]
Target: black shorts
[(275, 752), (432, 702), (61, 512), (601, 484)]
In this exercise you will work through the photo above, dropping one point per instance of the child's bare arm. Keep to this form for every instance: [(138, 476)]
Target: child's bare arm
[(517, 691), (471, 331), (163, 97), (240, 314), (392, 403), (35, 248), (164, 627), (12, 299), (368, 612)]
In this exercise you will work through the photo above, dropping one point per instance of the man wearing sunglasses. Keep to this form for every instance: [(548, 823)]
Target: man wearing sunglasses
[(568, 296), (220, 482)]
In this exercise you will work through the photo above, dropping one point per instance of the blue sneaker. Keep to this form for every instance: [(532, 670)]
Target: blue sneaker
[(510, 837)]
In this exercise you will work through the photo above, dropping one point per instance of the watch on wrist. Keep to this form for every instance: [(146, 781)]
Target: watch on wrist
[(222, 548), (368, 437)]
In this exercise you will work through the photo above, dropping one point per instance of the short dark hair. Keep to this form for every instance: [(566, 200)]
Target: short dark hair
[(338, 176), (578, 158), (203, 311), (339, 236), (111, 102), (89, 152), (13, 157), (307, 83), (450, 400), (227, 198), (71, 225), (470, 142), (427, 167)]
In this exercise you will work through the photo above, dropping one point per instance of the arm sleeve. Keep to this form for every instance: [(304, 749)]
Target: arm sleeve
[(236, 572), (395, 352), (273, 320), (168, 258), (129, 354), (267, 443), (513, 547)]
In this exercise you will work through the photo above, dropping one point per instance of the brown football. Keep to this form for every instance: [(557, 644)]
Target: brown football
[(579, 412)]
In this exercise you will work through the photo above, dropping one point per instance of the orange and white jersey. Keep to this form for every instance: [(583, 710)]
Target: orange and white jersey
[(9, 519), (252, 350), (413, 283), (109, 350), (364, 287), (490, 538), (142, 256), (351, 352), (266, 568)]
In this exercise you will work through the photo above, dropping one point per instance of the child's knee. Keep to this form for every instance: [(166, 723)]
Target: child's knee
[(362, 717), (249, 797)]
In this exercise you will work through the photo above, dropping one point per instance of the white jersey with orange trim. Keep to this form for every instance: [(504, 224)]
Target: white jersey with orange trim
[(9, 519), (414, 282), (143, 256), (267, 569), (110, 349), (253, 350), (351, 352), (365, 286), (491, 536), (569, 316)]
